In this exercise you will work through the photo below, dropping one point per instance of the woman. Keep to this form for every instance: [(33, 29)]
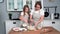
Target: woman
[(37, 14), (25, 14)]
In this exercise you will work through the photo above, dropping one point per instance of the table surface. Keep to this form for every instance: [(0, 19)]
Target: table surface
[(54, 31)]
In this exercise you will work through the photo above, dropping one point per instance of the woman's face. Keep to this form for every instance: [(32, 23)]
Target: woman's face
[(26, 9), (37, 7)]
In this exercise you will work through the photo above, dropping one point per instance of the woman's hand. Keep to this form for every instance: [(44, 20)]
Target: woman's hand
[(31, 21), (36, 24)]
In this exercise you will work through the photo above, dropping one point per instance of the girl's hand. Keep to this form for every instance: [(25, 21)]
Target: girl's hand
[(26, 21), (31, 20)]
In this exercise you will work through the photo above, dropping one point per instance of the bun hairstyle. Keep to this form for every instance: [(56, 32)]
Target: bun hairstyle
[(38, 3)]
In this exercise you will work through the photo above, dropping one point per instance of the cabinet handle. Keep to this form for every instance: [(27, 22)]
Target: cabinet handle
[(14, 22), (53, 22)]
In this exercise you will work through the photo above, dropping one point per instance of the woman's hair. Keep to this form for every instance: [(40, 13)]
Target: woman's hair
[(38, 3), (24, 9)]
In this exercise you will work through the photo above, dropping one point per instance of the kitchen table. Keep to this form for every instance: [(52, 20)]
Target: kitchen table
[(52, 31)]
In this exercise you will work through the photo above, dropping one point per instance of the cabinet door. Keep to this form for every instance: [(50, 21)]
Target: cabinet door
[(47, 23), (56, 25), (20, 5), (10, 5), (29, 3), (15, 5), (9, 25)]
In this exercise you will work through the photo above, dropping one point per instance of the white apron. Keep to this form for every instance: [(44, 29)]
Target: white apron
[(26, 17), (36, 17)]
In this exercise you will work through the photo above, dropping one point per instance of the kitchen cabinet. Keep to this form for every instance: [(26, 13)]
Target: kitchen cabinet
[(53, 23), (16, 23), (9, 24), (47, 23), (56, 25), (17, 5)]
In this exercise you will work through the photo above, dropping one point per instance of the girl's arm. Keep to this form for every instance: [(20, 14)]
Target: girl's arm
[(23, 19)]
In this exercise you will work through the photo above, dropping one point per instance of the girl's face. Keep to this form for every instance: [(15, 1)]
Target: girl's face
[(26, 9), (37, 7)]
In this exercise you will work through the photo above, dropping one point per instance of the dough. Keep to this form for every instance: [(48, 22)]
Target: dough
[(31, 27)]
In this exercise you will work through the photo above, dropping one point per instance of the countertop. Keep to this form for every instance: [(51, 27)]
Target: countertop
[(51, 31)]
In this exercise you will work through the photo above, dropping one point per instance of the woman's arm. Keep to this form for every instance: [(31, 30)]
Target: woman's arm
[(41, 18), (39, 21), (31, 19), (31, 13)]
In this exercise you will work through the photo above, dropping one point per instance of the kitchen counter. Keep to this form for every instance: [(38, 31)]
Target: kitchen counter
[(52, 31), (47, 22)]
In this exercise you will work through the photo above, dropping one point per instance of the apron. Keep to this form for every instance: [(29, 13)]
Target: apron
[(36, 17), (26, 17)]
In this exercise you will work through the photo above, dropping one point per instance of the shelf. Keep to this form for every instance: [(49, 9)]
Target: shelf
[(15, 4), (19, 4)]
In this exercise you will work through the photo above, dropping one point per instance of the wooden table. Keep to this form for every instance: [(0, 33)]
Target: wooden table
[(54, 31), (26, 32)]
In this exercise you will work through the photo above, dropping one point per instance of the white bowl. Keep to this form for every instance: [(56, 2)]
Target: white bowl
[(24, 25), (19, 29), (16, 29)]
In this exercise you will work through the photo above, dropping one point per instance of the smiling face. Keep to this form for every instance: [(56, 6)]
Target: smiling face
[(37, 7), (26, 9)]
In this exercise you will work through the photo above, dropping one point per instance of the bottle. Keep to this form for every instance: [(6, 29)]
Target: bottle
[(52, 16)]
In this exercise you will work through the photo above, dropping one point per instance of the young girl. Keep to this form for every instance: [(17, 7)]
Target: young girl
[(25, 14)]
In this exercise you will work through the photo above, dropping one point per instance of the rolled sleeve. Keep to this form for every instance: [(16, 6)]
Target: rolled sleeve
[(31, 13), (22, 13), (42, 12)]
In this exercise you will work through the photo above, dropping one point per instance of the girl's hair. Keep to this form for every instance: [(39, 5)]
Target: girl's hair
[(24, 9), (27, 12), (38, 3)]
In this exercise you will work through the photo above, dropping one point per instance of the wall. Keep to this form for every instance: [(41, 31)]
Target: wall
[(3, 16), (53, 3), (52, 10)]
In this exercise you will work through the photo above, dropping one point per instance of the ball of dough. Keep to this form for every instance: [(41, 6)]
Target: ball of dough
[(31, 28)]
